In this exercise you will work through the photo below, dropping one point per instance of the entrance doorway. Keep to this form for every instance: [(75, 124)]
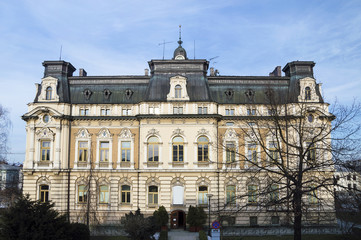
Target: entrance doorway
[(178, 219)]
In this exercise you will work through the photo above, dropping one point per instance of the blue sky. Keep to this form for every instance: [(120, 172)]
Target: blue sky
[(118, 37)]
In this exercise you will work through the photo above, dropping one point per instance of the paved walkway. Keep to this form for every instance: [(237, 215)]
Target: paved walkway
[(176, 234)]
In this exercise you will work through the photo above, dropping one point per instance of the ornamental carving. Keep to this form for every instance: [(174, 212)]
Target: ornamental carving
[(178, 131), (231, 134), (202, 131), (104, 133), (125, 133), (153, 131), (83, 133), (45, 133)]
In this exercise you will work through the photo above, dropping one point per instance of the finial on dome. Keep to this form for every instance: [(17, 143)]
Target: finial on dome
[(180, 35)]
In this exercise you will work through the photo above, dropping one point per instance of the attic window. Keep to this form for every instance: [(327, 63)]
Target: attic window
[(250, 94), (49, 92), (307, 93), (229, 93), (128, 93), (107, 93), (269, 93), (87, 93)]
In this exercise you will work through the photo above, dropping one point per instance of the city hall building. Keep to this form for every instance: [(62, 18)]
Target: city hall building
[(102, 146)]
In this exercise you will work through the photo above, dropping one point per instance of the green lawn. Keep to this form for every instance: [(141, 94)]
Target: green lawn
[(289, 237)]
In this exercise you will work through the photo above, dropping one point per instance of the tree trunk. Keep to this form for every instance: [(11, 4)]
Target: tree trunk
[(297, 225)]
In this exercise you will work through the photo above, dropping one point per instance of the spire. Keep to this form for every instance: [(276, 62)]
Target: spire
[(180, 36), (180, 53)]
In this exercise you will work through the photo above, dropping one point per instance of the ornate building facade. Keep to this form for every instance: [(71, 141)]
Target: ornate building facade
[(107, 145)]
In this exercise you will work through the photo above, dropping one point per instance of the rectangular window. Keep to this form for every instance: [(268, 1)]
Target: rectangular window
[(154, 110), (253, 221), (177, 110), (349, 177), (354, 177), (231, 194), (125, 151), (272, 112), (230, 152), (105, 112), (252, 152), (311, 154), (126, 112), (82, 194), (84, 112), (202, 110), (274, 192), (275, 220), (125, 194), (45, 151), (82, 151), (251, 112), (103, 194), (202, 195), (104, 151), (153, 152), (177, 152), (273, 153), (313, 196), (252, 193), (153, 195), (44, 193), (229, 112)]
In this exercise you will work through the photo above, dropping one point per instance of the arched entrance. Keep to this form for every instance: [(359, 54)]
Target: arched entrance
[(178, 219)]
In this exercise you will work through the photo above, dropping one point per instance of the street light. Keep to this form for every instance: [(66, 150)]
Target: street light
[(209, 195)]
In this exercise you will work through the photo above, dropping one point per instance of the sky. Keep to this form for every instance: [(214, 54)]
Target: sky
[(118, 37)]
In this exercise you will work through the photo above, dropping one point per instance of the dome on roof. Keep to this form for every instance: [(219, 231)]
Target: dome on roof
[(180, 53)]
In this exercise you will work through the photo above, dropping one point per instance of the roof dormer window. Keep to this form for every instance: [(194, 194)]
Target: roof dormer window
[(49, 93), (178, 89), (307, 93)]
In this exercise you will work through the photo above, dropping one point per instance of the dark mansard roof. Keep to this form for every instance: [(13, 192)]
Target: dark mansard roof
[(155, 87)]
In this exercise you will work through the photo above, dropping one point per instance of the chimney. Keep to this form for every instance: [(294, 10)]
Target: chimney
[(146, 72), (276, 72), (82, 72), (211, 71)]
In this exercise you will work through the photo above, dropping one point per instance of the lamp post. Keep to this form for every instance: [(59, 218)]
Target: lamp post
[(209, 195)]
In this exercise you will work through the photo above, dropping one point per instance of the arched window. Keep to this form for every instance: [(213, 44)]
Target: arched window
[(44, 193), (202, 195), (82, 194), (125, 194), (178, 149), (49, 92), (103, 194), (202, 149), (178, 91), (153, 149), (231, 194), (307, 93), (252, 193), (153, 195)]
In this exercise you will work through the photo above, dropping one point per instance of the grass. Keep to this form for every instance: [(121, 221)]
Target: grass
[(288, 237)]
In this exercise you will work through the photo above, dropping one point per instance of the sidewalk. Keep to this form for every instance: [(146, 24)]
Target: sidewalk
[(177, 234)]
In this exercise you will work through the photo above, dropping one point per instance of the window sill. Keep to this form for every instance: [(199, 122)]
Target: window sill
[(202, 164), (153, 164), (126, 164), (152, 205), (178, 163)]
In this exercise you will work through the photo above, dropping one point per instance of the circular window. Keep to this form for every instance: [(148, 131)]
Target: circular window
[(46, 118), (310, 118)]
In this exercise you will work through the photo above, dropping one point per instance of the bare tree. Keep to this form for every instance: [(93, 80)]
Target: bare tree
[(289, 153), (5, 125)]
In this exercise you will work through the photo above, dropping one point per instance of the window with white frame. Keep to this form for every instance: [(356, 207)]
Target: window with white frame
[(49, 93), (153, 149), (178, 195), (82, 194), (202, 110), (252, 193), (251, 112), (126, 112), (231, 194), (45, 150), (178, 149), (125, 151), (252, 152), (273, 153), (177, 110), (83, 151), (203, 148), (229, 112), (105, 112), (178, 91), (230, 152), (103, 194), (202, 195), (154, 110), (84, 111)]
